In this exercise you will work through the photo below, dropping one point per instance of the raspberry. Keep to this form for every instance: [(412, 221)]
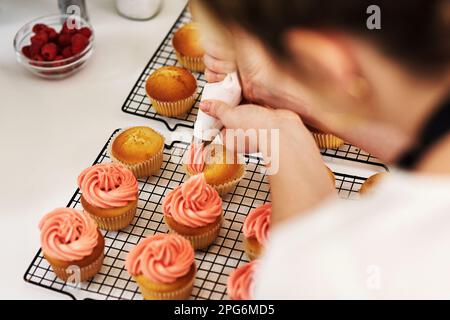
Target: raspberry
[(67, 52), (38, 27), (27, 51), (59, 58), (49, 51), (35, 48), (65, 40), (67, 30), (38, 57), (79, 43), (40, 38), (52, 34), (85, 31)]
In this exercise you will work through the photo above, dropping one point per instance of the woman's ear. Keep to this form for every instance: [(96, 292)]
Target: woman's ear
[(326, 62)]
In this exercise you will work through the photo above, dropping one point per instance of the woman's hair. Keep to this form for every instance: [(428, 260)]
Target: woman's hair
[(414, 32)]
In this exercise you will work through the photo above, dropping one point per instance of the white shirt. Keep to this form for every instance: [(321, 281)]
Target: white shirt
[(392, 244)]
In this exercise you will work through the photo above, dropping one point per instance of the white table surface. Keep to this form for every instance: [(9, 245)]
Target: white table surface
[(51, 130)]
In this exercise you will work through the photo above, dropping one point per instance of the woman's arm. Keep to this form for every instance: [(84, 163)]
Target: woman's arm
[(301, 180)]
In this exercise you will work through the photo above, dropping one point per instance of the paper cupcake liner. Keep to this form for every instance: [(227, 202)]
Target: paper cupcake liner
[(225, 188), (183, 293), (86, 272), (201, 241), (173, 109), (143, 169), (195, 64), (252, 254), (327, 141), (114, 223)]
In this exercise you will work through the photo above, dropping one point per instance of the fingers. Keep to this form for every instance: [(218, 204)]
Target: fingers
[(212, 76), (219, 110), (218, 65)]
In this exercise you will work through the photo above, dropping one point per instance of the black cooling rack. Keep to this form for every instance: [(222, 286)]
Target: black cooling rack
[(137, 102), (214, 264)]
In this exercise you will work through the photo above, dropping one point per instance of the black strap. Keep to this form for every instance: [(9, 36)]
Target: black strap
[(434, 130)]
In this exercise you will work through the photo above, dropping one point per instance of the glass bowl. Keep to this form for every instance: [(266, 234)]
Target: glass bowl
[(52, 69)]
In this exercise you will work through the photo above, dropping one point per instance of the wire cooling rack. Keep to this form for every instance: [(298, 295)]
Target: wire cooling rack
[(137, 102), (214, 264)]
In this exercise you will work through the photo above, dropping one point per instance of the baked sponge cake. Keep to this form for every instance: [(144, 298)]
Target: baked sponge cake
[(371, 182), (171, 90), (188, 48), (140, 149), (256, 230), (221, 168)]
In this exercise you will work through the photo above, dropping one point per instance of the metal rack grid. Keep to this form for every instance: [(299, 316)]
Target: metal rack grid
[(137, 102), (214, 264)]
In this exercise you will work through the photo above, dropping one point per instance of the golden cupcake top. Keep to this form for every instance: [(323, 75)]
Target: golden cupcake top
[(137, 144), (187, 41), (371, 182), (171, 83)]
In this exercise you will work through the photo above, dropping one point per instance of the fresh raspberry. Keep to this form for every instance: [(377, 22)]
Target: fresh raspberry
[(65, 40), (27, 51), (59, 57), (67, 52), (85, 31), (38, 27), (49, 51), (35, 48), (79, 43), (38, 57), (40, 38), (52, 34), (67, 30)]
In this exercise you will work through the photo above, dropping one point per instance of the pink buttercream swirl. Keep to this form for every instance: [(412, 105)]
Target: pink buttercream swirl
[(68, 235), (162, 258), (240, 282), (257, 223), (108, 185), (195, 158), (194, 204)]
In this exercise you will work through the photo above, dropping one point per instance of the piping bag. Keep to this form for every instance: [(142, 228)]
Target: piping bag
[(229, 91)]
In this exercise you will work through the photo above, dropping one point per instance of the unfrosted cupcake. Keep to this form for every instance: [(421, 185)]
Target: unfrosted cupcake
[(163, 266), (222, 168), (172, 90), (326, 140), (72, 244), (240, 282), (194, 211), (331, 175), (109, 194), (371, 182), (140, 149), (256, 230), (188, 48)]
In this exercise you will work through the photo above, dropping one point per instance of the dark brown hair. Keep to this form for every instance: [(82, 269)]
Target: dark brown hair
[(414, 32)]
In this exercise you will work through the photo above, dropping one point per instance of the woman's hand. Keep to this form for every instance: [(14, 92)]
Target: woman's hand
[(300, 181)]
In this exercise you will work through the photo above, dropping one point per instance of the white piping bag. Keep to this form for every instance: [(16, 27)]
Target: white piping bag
[(229, 91)]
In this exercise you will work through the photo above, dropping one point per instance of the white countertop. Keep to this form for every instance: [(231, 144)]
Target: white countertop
[(51, 130)]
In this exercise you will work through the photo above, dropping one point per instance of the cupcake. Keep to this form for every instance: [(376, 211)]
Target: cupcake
[(326, 140), (140, 149), (109, 194), (256, 230), (222, 168), (163, 266), (331, 175), (194, 211), (72, 244), (171, 90), (189, 51), (240, 282), (371, 182)]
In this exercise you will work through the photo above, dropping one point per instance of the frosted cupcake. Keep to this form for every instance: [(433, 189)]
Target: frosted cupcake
[(171, 90), (194, 211), (189, 51), (222, 168), (240, 282), (72, 244), (163, 266), (326, 140), (256, 230), (140, 149), (109, 194)]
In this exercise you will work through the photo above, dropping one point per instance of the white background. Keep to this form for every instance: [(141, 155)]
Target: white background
[(51, 130)]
